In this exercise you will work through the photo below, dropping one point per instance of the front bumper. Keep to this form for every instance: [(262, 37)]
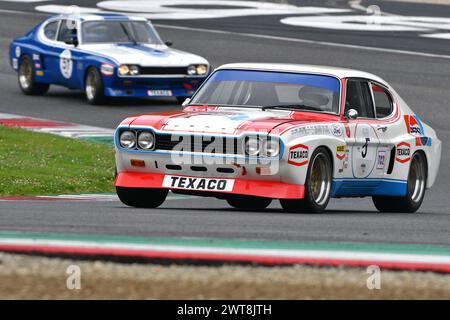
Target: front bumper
[(140, 86), (268, 189)]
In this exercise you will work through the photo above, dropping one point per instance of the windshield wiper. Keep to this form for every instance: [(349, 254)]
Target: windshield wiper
[(132, 39), (291, 106)]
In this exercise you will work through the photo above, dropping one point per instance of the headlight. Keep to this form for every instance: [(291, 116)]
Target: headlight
[(192, 70), (252, 146), (127, 139), (271, 148), (146, 140), (201, 69), (134, 70), (123, 69)]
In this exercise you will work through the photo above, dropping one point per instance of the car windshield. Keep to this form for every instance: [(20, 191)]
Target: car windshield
[(270, 90), (119, 32)]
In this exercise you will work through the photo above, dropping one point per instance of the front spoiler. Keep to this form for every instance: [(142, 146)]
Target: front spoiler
[(267, 189)]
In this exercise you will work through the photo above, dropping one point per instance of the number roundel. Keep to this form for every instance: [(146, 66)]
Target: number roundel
[(66, 64)]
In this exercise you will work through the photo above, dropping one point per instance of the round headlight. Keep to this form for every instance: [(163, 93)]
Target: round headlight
[(123, 69), (201, 69), (127, 139), (192, 70), (134, 70), (252, 146), (146, 140), (271, 148)]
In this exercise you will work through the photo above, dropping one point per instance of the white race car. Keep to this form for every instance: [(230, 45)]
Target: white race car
[(297, 133)]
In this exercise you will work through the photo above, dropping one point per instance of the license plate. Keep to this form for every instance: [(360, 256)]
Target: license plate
[(165, 93), (199, 184)]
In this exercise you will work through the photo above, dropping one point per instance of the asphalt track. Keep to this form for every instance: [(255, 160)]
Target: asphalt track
[(423, 82)]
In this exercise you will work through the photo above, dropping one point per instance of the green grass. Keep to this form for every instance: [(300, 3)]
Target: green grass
[(43, 164)]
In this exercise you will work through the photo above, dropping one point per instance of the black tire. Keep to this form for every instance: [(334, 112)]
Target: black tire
[(27, 78), (93, 87), (415, 191), (249, 203), (142, 197), (314, 201)]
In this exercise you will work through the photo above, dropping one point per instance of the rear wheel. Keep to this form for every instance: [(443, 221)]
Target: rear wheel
[(27, 80), (317, 185), (410, 203), (249, 203), (94, 88), (142, 197)]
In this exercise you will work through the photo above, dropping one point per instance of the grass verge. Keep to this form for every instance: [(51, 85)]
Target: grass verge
[(33, 163)]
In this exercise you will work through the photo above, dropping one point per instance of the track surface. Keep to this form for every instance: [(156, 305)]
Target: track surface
[(423, 82)]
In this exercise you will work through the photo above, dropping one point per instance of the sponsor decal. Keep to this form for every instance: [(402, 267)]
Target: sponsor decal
[(423, 141), (381, 159), (18, 51), (66, 64), (347, 130), (153, 93), (15, 63), (340, 152), (336, 130), (347, 156), (36, 56), (196, 183), (39, 72), (37, 65), (403, 152), (298, 155), (413, 125), (310, 130)]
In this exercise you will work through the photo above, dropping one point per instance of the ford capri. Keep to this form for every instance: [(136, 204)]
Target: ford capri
[(300, 134), (106, 55)]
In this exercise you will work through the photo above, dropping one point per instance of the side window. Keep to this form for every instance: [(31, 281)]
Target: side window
[(383, 101), (358, 97), (51, 30), (66, 30)]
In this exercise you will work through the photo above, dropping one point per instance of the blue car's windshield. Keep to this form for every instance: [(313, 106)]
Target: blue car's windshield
[(273, 89), (119, 32)]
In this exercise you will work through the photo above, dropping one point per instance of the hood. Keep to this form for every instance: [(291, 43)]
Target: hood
[(144, 54), (224, 121)]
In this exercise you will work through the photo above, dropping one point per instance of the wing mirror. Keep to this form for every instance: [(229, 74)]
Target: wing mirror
[(72, 40), (168, 43), (351, 114), (186, 102)]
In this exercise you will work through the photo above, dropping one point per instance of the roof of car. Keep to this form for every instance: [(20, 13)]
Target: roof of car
[(101, 16), (305, 68)]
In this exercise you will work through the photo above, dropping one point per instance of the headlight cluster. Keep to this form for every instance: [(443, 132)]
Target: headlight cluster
[(128, 70), (144, 140), (197, 69), (256, 146)]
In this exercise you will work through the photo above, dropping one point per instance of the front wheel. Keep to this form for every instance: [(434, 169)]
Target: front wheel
[(27, 80), (417, 178), (94, 88), (249, 202), (142, 197), (317, 185)]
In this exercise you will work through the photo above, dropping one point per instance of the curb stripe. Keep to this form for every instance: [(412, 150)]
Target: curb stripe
[(260, 256)]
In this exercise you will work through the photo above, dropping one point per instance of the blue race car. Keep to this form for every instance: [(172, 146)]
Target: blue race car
[(106, 55)]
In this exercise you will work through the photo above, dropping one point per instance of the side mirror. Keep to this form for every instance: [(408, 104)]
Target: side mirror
[(72, 40), (168, 43), (186, 102), (351, 114)]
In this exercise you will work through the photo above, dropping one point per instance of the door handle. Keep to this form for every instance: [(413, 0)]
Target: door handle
[(382, 128)]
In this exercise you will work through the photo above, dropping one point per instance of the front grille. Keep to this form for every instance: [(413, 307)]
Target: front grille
[(196, 143), (162, 70)]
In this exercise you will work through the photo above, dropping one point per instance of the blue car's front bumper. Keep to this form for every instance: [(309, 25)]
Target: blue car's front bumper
[(147, 86)]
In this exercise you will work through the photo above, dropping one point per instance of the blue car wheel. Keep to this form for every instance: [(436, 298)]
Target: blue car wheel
[(26, 77), (94, 87)]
